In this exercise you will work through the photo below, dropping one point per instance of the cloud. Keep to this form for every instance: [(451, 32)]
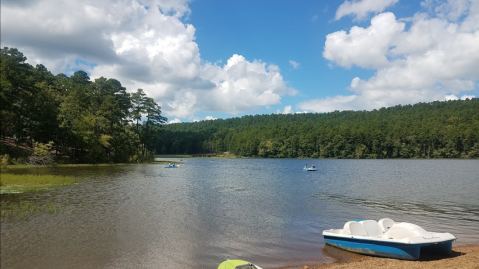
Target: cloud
[(175, 120), (453, 97), (434, 59), (241, 85), (143, 45), (331, 104), (287, 110), (294, 64), (362, 8), (364, 47)]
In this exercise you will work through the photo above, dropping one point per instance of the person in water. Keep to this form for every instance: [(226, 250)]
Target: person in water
[(314, 166)]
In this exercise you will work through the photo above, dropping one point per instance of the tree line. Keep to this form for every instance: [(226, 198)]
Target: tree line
[(440, 129), (99, 121), (76, 118)]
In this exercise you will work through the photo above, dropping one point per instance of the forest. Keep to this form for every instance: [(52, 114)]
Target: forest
[(49, 118), (440, 129), (55, 118)]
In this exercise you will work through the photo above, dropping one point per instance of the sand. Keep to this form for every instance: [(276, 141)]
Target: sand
[(466, 257)]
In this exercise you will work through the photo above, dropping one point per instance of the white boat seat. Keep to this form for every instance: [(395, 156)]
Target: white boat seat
[(357, 228), (405, 230), (372, 228), (386, 224), (346, 229)]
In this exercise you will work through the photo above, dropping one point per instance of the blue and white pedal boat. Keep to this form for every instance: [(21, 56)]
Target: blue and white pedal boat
[(172, 166), (389, 239), (310, 168)]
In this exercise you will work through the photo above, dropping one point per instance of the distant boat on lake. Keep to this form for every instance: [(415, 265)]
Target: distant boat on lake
[(172, 166), (311, 168)]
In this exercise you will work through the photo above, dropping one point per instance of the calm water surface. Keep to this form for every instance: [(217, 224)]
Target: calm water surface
[(269, 212)]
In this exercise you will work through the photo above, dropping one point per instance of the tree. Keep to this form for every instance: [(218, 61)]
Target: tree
[(138, 106), (151, 125), (17, 93)]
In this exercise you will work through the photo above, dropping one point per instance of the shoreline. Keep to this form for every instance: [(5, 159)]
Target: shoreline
[(462, 256)]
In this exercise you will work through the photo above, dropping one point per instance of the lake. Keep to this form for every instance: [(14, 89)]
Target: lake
[(267, 211)]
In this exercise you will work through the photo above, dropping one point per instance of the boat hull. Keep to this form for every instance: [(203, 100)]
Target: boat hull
[(403, 251)]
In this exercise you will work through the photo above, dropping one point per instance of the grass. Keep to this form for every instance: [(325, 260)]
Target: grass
[(11, 183), (12, 166), (20, 166), (24, 209)]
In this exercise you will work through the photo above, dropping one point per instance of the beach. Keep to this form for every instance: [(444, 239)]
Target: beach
[(464, 257)]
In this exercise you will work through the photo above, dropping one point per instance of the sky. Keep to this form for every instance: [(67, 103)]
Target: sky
[(210, 59)]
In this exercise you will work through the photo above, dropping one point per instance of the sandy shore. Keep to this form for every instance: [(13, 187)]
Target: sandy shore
[(463, 257)]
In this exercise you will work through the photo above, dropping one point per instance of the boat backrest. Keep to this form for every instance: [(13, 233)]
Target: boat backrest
[(372, 228), (404, 229), (346, 229), (386, 224), (357, 228)]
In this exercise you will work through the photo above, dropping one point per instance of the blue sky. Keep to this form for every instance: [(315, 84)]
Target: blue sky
[(208, 59)]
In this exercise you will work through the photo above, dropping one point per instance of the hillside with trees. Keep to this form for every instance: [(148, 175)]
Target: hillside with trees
[(448, 129), (77, 119), (83, 121)]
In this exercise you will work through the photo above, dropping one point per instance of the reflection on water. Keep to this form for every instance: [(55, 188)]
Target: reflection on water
[(270, 212)]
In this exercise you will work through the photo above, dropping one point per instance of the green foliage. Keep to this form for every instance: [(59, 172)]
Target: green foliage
[(4, 159), (87, 121), (41, 150), (426, 130), (41, 154)]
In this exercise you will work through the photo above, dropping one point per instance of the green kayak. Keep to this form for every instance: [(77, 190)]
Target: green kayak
[(237, 264)]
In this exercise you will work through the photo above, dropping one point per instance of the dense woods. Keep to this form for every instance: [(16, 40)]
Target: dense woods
[(447, 129), (76, 119), (79, 120)]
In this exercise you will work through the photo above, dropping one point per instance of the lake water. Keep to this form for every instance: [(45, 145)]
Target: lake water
[(267, 211)]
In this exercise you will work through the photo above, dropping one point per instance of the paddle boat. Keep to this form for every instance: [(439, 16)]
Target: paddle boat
[(172, 166), (386, 238), (237, 264), (312, 168)]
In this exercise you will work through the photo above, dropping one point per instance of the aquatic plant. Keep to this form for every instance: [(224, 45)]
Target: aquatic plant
[(12, 183), (24, 209)]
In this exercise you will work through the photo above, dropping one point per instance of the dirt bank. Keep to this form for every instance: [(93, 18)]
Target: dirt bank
[(463, 257)]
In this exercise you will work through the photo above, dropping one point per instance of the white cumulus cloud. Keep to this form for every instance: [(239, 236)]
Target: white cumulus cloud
[(241, 85), (360, 9), (434, 59), (286, 110), (175, 120), (143, 44), (364, 47)]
